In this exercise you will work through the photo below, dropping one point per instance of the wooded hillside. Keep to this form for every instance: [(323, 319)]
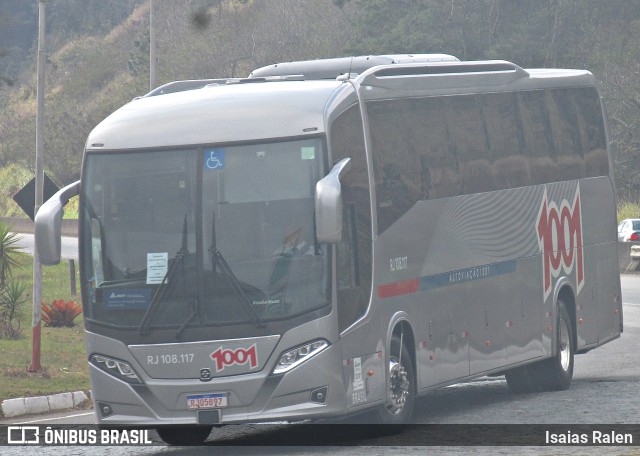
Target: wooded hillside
[(98, 56)]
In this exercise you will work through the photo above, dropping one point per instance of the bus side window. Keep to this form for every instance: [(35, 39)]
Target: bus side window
[(506, 140), (351, 304), (468, 133), (354, 252), (440, 177), (589, 111), (537, 137), (565, 134), (348, 273), (396, 158)]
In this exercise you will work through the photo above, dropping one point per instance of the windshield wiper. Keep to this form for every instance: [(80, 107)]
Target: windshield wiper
[(196, 308), (158, 296), (227, 272), (111, 283)]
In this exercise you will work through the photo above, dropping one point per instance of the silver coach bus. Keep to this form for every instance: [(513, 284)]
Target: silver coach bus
[(334, 236)]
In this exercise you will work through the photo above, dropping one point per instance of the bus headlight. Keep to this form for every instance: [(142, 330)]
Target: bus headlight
[(115, 367), (298, 355)]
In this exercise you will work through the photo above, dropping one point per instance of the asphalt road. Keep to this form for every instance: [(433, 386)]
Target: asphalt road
[(68, 248), (605, 391)]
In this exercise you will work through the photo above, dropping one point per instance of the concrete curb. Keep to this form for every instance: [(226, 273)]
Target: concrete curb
[(44, 404)]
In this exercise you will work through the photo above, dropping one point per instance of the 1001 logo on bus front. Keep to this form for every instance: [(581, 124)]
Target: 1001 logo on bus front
[(559, 232), (239, 356)]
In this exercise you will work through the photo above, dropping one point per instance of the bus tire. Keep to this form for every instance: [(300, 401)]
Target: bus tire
[(184, 435), (521, 380), (401, 390), (556, 372), (553, 374)]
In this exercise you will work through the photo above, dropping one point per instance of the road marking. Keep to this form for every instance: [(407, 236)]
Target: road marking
[(61, 417)]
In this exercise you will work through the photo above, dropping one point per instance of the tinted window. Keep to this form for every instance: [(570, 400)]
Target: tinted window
[(397, 170), (354, 251), (565, 133), (434, 147)]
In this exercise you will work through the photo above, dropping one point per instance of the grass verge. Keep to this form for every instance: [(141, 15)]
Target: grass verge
[(63, 353)]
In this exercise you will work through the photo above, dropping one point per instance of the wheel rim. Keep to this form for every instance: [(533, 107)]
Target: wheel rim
[(399, 387), (564, 346)]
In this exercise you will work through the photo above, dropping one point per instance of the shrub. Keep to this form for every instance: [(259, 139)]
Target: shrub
[(11, 300), (10, 329), (60, 313), (11, 254)]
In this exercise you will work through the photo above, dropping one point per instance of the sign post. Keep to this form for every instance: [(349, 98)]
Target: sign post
[(37, 267), (153, 63)]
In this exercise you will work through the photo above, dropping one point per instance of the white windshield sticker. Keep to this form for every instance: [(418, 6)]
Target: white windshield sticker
[(157, 264)]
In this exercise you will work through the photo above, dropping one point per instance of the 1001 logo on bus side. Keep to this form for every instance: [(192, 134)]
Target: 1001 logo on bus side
[(239, 356), (559, 232)]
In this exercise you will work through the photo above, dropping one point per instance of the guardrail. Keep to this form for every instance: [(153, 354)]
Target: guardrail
[(25, 225), (629, 257)]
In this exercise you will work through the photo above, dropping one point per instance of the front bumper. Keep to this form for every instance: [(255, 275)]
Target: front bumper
[(254, 397)]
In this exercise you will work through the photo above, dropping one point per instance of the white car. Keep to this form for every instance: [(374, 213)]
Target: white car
[(629, 230)]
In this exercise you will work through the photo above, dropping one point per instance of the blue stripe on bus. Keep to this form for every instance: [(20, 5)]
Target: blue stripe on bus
[(467, 275), (444, 279)]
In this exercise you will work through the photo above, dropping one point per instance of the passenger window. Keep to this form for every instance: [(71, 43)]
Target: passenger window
[(396, 151), (506, 140), (538, 142), (591, 126), (469, 136), (566, 135), (434, 147), (354, 252), (438, 163), (348, 272)]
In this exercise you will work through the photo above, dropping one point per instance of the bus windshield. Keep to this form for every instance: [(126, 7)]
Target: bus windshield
[(207, 236)]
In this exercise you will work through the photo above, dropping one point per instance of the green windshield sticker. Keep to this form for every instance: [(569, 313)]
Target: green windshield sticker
[(307, 153)]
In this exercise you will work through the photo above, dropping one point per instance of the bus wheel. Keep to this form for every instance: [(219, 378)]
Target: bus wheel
[(401, 392), (184, 435), (556, 373), (521, 380), (552, 374)]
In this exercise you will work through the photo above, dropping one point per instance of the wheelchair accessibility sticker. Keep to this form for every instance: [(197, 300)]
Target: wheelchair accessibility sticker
[(214, 159)]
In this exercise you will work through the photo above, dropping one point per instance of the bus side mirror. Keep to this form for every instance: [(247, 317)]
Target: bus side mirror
[(329, 204), (48, 223)]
